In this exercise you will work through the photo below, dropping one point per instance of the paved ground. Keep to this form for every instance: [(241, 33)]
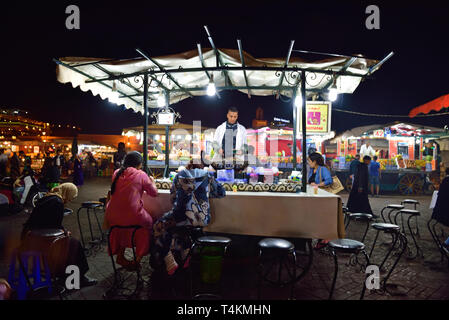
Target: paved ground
[(421, 278)]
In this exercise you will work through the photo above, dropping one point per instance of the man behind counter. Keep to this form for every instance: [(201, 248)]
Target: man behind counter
[(230, 137)]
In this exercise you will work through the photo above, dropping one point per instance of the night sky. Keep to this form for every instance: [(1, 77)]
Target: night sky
[(33, 33)]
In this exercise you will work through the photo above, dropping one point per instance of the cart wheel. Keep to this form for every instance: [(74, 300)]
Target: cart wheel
[(410, 184), (348, 184)]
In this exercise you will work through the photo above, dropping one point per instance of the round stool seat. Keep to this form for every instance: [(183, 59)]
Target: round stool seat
[(346, 245), (361, 216), (410, 201), (91, 204), (67, 212), (387, 227), (47, 232), (275, 243), (395, 206), (410, 211), (213, 241)]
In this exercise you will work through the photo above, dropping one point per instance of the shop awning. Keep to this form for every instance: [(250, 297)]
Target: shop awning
[(188, 74), (434, 105), (397, 128)]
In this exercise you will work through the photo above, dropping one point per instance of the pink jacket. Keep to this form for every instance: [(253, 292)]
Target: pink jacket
[(126, 208)]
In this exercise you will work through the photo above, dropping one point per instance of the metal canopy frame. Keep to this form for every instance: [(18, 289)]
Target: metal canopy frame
[(297, 76)]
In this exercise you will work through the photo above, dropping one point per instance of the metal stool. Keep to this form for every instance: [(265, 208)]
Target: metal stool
[(345, 213), (431, 225), (277, 250), (411, 213), (415, 203), (365, 217), (392, 207), (90, 205), (200, 244), (116, 285), (346, 246), (394, 230)]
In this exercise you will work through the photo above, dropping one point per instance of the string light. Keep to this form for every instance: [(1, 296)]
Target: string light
[(211, 90)]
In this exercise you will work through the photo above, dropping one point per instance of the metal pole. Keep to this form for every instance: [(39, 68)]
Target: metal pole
[(295, 120), (304, 132), (145, 124), (167, 141)]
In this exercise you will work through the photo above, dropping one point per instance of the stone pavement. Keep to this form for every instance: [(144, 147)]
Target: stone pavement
[(421, 278)]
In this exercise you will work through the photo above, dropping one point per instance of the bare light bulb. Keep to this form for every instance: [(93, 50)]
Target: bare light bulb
[(333, 94)]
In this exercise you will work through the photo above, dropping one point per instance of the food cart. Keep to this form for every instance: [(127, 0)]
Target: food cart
[(406, 152), (185, 143)]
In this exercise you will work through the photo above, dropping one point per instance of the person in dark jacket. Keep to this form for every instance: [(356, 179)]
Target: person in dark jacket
[(353, 167), (119, 156), (441, 210), (14, 166), (358, 201), (78, 176), (48, 214)]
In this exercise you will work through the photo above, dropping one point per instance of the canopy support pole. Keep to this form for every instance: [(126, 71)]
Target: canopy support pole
[(167, 141), (295, 121), (145, 124), (304, 132)]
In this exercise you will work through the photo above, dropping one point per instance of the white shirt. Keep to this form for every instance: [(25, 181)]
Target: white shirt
[(367, 151), (240, 140)]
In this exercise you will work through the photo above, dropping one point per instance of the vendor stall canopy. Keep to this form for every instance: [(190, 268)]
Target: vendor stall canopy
[(179, 76), (396, 128)]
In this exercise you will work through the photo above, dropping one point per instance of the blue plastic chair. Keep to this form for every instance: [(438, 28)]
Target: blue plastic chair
[(22, 284)]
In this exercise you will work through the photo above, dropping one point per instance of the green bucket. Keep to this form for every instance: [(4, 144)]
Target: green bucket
[(51, 185), (211, 264)]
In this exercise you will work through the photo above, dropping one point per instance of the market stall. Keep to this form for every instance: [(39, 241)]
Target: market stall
[(271, 214), (406, 153)]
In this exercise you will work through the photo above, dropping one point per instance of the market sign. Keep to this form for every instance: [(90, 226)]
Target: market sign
[(378, 133), (166, 118), (318, 117), (36, 149)]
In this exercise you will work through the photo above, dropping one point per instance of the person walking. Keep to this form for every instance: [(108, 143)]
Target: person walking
[(358, 201), (353, 167), (374, 176)]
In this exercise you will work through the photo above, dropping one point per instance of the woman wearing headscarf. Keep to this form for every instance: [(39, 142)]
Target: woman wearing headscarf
[(190, 192), (48, 214), (126, 207), (78, 177), (358, 201)]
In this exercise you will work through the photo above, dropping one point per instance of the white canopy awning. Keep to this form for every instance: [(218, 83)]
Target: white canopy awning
[(79, 71)]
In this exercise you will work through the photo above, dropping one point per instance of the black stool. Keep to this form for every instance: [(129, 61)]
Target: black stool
[(277, 250), (200, 244), (103, 202), (394, 230), (346, 246), (415, 203), (116, 285), (412, 213), (364, 217), (345, 213), (431, 225), (90, 205), (392, 207)]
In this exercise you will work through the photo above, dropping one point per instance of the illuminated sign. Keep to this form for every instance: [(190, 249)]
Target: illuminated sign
[(318, 117), (166, 118), (378, 133)]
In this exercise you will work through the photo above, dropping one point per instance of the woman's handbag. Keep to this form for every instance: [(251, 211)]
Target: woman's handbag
[(335, 187)]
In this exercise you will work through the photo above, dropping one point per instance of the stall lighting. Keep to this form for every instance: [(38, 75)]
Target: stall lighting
[(333, 92), (188, 137), (157, 137), (427, 140), (298, 101), (211, 90), (161, 100)]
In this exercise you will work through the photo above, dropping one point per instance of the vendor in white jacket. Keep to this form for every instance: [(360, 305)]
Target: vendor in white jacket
[(230, 137)]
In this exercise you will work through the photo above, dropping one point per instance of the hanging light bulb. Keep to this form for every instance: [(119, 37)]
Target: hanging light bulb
[(333, 92), (298, 101), (161, 100), (114, 95), (211, 87)]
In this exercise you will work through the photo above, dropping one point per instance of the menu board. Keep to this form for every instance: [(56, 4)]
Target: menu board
[(318, 117)]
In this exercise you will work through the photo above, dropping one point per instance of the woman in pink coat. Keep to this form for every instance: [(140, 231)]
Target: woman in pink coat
[(125, 207)]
